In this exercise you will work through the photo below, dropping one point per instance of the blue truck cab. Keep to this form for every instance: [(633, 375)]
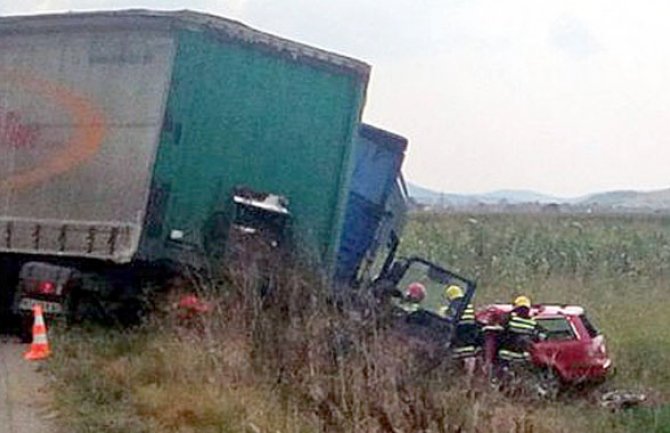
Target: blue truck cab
[(376, 207)]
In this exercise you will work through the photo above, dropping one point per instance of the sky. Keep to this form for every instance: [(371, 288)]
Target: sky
[(564, 97)]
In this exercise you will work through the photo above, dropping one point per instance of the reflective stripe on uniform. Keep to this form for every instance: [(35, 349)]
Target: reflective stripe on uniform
[(410, 307), (468, 315), (530, 322), (521, 329), (519, 325), (464, 352), (509, 355)]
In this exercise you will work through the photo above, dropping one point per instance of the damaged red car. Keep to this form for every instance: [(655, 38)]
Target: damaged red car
[(572, 351)]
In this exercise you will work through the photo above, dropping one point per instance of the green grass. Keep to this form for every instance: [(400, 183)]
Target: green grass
[(648, 420), (617, 267)]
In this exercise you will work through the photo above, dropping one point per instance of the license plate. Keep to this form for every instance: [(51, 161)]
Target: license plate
[(48, 307)]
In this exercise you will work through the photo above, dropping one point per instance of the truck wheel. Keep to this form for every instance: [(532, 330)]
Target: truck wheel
[(26, 328), (130, 313), (72, 307)]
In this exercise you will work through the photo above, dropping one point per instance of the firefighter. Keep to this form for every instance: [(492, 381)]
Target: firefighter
[(467, 340), (520, 332), (413, 296)]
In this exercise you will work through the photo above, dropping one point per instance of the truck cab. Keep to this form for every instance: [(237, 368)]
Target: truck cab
[(427, 324)]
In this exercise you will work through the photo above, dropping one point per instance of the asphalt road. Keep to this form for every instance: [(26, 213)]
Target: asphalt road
[(23, 393)]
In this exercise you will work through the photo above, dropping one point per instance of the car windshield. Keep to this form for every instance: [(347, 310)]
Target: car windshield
[(556, 329)]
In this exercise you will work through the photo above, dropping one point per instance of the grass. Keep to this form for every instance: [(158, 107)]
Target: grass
[(291, 363), (150, 380), (168, 375), (146, 381), (617, 267)]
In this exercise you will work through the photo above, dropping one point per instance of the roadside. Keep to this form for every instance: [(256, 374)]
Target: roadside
[(254, 366), (23, 392)]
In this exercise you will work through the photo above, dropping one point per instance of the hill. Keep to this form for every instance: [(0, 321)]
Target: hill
[(631, 199), (622, 199), (427, 196)]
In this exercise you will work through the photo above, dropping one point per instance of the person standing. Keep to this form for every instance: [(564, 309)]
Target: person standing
[(520, 332), (466, 344)]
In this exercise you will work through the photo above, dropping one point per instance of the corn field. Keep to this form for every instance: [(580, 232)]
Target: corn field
[(617, 267), (518, 250)]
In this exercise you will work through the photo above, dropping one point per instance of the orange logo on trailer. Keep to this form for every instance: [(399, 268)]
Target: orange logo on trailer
[(84, 141)]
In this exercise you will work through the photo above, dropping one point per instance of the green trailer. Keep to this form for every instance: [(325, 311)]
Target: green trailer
[(123, 134)]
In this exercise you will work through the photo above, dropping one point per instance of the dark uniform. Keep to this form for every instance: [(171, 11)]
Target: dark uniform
[(467, 340), (521, 331)]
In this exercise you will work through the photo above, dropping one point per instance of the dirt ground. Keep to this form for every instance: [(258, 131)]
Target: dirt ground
[(23, 392)]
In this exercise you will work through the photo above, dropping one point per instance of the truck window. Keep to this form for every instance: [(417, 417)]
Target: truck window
[(433, 281), (556, 329), (593, 332)]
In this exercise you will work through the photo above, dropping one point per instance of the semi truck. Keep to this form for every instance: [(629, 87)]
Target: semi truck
[(132, 141), (125, 135)]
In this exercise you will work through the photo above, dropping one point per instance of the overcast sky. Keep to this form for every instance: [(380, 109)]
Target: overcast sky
[(564, 97)]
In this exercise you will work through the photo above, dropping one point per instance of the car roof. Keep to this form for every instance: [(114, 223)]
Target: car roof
[(544, 311)]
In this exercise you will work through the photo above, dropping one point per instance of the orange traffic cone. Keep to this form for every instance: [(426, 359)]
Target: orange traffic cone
[(39, 349)]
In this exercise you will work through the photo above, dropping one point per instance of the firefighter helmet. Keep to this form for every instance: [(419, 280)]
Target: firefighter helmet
[(416, 292), (522, 301), (453, 292)]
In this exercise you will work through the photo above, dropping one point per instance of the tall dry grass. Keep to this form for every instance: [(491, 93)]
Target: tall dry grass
[(288, 361)]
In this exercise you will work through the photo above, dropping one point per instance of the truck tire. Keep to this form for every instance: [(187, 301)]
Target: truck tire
[(25, 326)]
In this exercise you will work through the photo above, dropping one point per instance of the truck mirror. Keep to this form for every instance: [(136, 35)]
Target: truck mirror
[(396, 272)]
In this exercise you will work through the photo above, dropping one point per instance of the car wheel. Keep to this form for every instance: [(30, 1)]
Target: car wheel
[(548, 384)]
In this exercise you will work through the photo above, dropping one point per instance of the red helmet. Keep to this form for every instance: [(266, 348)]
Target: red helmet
[(416, 292)]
